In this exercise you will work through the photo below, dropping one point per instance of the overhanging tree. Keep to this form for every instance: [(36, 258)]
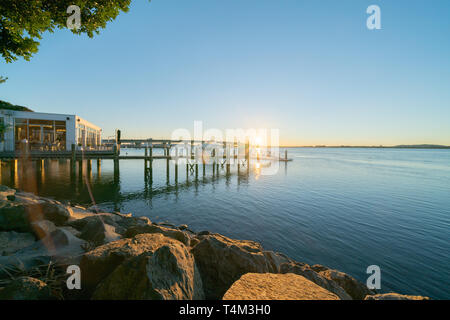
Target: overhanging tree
[(23, 22)]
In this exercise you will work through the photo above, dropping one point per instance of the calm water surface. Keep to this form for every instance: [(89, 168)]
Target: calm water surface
[(344, 208)]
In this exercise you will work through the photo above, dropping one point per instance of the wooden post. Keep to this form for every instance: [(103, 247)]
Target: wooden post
[(73, 159), (13, 171), (146, 160), (99, 167), (80, 168), (151, 163), (247, 155), (167, 163), (203, 158), (228, 147), (116, 160), (176, 164), (285, 154)]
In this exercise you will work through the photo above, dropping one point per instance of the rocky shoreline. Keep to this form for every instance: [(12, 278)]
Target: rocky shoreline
[(126, 257)]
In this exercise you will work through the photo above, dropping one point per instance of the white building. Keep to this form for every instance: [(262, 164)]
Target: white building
[(47, 131)]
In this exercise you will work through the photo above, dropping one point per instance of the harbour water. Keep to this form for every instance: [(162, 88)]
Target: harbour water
[(343, 208)]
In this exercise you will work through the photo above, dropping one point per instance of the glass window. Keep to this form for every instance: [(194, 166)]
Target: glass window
[(43, 135)]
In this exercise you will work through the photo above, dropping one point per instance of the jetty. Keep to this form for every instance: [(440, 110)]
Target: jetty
[(195, 155)]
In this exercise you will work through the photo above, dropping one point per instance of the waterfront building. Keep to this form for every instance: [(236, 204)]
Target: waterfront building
[(46, 131)]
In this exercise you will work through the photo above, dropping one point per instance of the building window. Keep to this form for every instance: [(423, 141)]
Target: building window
[(42, 135)]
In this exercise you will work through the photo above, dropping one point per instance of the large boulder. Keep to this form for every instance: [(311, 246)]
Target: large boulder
[(394, 296), (222, 261), (353, 287), (120, 222), (42, 228), (99, 263), (17, 216), (168, 273), (14, 217), (306, 271), (11, 242), (97, 232), (269, 286), (26, 288), (60, 246), (153, 228), (6, 193)]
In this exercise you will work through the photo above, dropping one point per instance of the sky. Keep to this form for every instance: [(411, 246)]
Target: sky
[(311, 69)]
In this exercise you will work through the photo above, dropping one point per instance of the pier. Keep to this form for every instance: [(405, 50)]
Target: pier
[(197, 157)]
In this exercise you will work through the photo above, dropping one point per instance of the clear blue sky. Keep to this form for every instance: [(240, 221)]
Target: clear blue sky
[(310, 68)]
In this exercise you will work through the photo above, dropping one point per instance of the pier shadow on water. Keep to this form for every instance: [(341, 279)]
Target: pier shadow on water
[(97, 182)]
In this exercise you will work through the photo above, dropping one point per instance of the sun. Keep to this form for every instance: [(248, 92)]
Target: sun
[(258, 141)]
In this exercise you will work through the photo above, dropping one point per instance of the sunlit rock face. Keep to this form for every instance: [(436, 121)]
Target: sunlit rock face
[(153, 267), (269, 286)]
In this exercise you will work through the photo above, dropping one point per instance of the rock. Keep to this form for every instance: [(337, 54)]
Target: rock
[(26, 288), (55, 212), (222, 261), (60, 246), (183, 227), (73, 231), (204, 233), (269, 286), (194, 242), (353, 287), (98, 232), (6, 192), (276, 260), (16, 216), (171, 233), (394, 296), (11, 242), (120, 222), (167, 273), (99, 263), (42, 228), (307, 272)]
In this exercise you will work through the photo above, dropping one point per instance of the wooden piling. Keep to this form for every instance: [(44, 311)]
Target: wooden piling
[(151, 162), (99, 168), (176, 165)]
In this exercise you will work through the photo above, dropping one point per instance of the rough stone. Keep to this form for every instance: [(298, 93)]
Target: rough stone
[(353, 287), (222, 261), (60, 246), (42, 228), (306, 271), (6, 192), (168, 273), (394, 296), (16, 216), (97, 264), (269, 286), (98, 232), (11, 242), (26, 288), (168, 232)]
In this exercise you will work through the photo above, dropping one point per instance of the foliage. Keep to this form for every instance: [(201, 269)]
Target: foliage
[(8, 106), (3, 79), (23, 22)]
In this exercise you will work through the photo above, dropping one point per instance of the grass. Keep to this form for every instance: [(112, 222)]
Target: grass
[(52, 274)]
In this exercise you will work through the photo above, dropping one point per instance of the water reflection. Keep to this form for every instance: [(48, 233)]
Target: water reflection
[(89, 182)]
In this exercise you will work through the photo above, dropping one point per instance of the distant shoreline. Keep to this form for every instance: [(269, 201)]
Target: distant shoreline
[(376, 147)]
